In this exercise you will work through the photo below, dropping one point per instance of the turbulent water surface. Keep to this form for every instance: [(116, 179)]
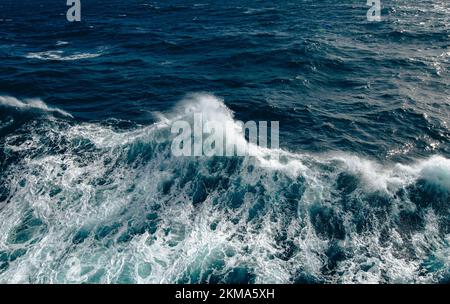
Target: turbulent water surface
[(89, 188)]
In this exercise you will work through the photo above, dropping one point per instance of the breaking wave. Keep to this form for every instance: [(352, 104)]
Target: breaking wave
[(96, 202)]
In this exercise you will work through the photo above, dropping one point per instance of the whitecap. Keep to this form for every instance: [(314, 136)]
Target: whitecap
[(59, 43), (30, 104), (60, 56)]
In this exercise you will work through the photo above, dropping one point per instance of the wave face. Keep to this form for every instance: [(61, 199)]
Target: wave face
[(89, 202), (89, 189)]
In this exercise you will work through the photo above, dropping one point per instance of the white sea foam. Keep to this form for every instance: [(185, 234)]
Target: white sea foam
[(390, 178), (30, 104), (59, 43), (61, 56)]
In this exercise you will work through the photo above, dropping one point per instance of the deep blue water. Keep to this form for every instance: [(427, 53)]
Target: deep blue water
[(89, 191)]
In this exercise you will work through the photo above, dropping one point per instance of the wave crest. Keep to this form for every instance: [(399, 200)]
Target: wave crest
[(35, 104)]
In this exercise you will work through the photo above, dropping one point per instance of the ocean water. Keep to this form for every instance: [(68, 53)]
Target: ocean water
[(90, 191)]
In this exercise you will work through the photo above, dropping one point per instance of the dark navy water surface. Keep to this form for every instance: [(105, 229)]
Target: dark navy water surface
[(89, 189)]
